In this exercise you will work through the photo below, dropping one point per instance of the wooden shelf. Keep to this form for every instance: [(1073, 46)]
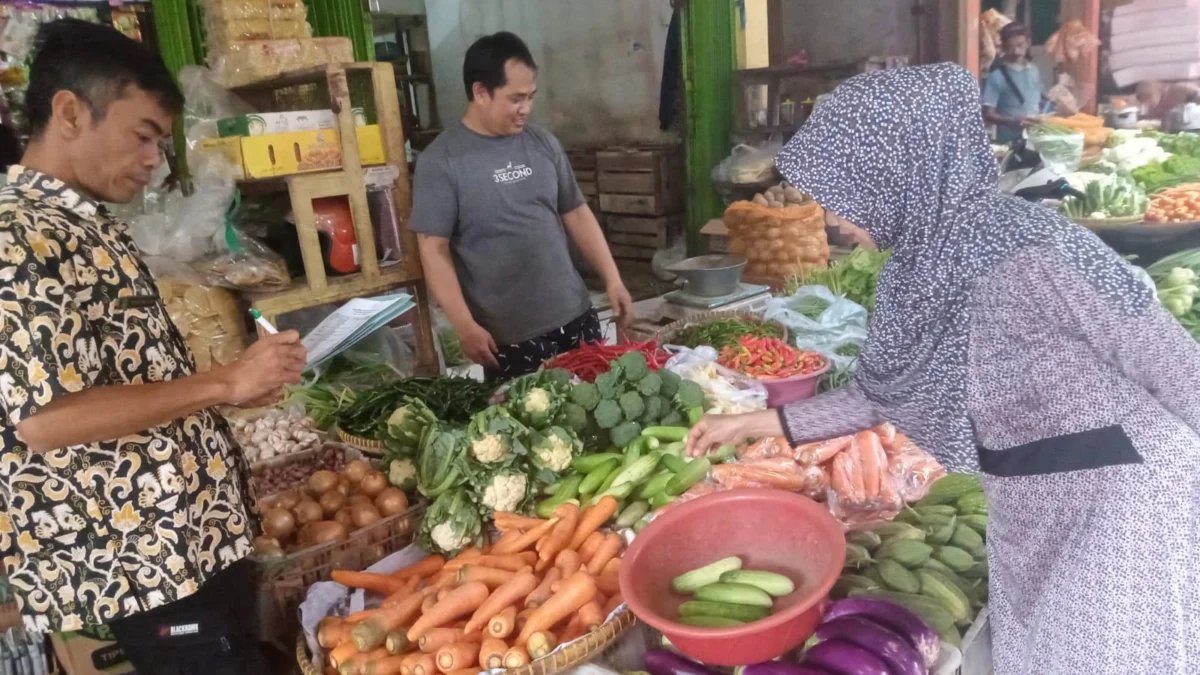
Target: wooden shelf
[(317, 75), (784, 71), (338, 289)]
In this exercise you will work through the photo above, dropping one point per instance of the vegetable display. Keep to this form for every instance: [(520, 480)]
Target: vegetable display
[(855, 277), (365, 413), (931, 560), (1114, 197), (1158, 176), (724, 595), (721, 333), (589, 361), (1178, 205), (766, 358), (1176, 280), (500, 606)]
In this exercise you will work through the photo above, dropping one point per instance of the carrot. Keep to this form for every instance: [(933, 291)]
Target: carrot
[(490, 577), (388, 665), (544, 590), (516, 657), (436, 638), (613, 603), (403, 596), (465, 671), (588, 549), (575, 593), (491, 653), (357, 664), (425, 664), (822, 451), (333, 631), (541, 643), (457, 603), (896, 444), (380, 583), (560, 535), (840, 478), (591, 615), (886, 431), (568, 562), (592, 518), (406, 665), (525, 540), (425, 568), (360, 616), (430, 600), (342, 653), (609, 580), (371, 633), (507, 522), (573, 630), (457, 656), (511, 563), (503, 624), (523, 616), (509, 594), (874, 460), (397, 642), (609, 549), (467, 554)]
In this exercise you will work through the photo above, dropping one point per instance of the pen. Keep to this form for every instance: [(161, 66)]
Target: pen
[(262, 322)]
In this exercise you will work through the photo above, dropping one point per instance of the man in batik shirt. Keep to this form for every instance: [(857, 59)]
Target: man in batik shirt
[(123, 497)]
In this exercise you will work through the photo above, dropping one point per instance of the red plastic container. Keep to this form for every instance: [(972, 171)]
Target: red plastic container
[(791, 389), (770, 530)]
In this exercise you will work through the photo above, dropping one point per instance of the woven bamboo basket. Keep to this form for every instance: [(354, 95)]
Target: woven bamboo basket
[(672, 330), (368, 446), (583, 650)]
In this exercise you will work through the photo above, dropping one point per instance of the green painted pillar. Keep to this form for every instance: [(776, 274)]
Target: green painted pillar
[(177, 24), (709, 60), (344, 18)]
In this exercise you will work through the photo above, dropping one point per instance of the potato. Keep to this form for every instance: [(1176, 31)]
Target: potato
[(760, 200)]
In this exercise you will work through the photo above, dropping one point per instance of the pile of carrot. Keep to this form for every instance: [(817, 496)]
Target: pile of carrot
[(541, 584)]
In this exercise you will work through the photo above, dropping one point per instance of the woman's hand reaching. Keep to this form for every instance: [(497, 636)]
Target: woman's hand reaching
[(713, 431)]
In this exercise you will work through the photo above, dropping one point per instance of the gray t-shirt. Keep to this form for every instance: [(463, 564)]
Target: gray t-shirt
[(500, 200)]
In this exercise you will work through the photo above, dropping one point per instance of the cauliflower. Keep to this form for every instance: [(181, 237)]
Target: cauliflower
[(451, 523), (554, 449), (447, 538), (537, 401), (505, 492), (490, 449), (402, 473)]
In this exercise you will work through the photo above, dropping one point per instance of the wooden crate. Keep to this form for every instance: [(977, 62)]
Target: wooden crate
[(640, 181), (639, 238)]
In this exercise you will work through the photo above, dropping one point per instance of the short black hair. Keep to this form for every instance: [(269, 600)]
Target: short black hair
[(486, 59), (1013, 30), (96, 63)]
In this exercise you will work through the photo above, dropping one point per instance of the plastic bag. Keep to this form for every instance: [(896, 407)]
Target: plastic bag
[(781, 473), (749, 164), (209, 320), (1061, 151), (838, 331), (665, 258), (777, 242), (728, 391), (243, 263)]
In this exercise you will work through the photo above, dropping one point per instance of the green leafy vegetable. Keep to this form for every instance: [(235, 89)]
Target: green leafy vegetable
[(855, 277), (440, 465)]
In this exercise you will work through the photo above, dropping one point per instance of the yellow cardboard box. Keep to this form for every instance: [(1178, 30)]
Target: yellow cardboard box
[(230, 148), (292, 152)]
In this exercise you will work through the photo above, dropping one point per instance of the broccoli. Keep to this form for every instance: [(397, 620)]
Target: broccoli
[(574, 416), (607, 414), (624, 433), (650, 385), (633, 364), (632, 405), (558, 377), (654, 410), (674, 418), (690, 395), (670, 382), (609, 384), (585, 395)]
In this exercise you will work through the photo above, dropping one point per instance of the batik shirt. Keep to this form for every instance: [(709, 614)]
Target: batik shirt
[(96, 532)]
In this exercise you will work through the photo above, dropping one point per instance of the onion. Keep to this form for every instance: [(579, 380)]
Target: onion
[(345, 517), (373, 483), (322, 481), (363, 515), (331, 502), (323, 532), (287, 499), (308, 511), (279, 524), (360, 499), (391, 501), (356, 470)]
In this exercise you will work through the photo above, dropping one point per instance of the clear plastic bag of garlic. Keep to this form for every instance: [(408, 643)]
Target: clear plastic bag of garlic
[(781, 233), (275, 433)]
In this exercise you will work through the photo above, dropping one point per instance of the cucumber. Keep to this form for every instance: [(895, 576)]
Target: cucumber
[(703, 576), (660, 500), (674, 463), (655, 485), (722, 610), (641, 524), (590, 463), (737, 594), (774, 584), (633, 513), (710, 622), (595, 478), (722, 454), (696, 471)]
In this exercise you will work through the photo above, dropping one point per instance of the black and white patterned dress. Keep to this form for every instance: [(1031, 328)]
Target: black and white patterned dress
[(1012, 342)]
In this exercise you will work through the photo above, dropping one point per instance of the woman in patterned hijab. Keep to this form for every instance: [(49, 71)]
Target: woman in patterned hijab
[(1010, 341)]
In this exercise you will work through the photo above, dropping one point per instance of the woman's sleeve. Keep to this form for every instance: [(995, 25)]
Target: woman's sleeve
[(832, 414)]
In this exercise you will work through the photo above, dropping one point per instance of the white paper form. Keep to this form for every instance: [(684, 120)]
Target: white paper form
[(351, 323)]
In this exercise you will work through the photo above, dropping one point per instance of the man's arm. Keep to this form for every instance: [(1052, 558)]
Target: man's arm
[(585, 230), (442, 280), (105, 413)]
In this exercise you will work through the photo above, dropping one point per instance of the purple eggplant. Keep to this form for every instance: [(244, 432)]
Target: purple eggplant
[(663, 662), (779, 668), (899, 656), (844, 658), (896, 619)]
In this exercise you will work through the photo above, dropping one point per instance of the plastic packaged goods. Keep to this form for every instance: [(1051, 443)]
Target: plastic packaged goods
[(241, 63), (777, 241), (208, 318)]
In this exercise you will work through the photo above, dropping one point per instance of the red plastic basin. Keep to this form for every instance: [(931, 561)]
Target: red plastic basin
[(791, 389), (770, 530)]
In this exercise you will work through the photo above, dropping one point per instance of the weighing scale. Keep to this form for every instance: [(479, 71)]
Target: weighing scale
[(744, 291)]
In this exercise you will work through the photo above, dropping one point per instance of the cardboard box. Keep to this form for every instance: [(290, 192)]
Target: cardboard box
[(82, 655), (230, 148), (302, 151), (260, 124)]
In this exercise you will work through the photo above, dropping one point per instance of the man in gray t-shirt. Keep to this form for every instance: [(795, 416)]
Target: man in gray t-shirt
[(494, 199)]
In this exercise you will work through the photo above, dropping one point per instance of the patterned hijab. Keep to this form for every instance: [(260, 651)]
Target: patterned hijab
[(902, 153)]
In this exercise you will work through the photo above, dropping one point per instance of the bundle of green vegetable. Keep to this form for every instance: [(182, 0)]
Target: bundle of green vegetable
[(1177, 144), (1113, 197), (1176, 170), (452, 399), (1176, 280), (931, 560), (721, 333), (854, 277)]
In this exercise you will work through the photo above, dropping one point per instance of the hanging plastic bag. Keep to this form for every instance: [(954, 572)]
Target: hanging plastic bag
[(1061, 148), (241, 261), (728, 391), (822, 322), (748, 163)]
